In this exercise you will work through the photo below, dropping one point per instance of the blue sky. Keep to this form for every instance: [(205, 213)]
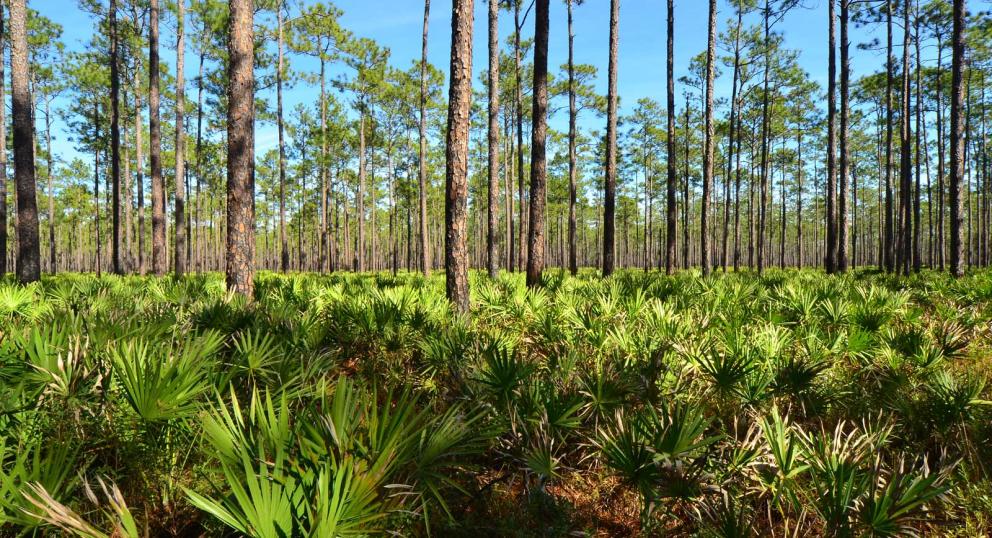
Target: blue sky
[(397, 24)]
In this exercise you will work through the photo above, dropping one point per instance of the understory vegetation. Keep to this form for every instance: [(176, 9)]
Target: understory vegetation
[(792, 403)]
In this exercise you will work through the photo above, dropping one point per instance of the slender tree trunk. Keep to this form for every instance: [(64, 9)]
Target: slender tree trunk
[(283, 242), (845, 78), (889, 240), (573, 265), (905, 156), (957, 135), (180, 218), (539, 135), (917, 221), (98, 265), (764, 140), (425, 246), (201, 243), (708, 149), (456, 156), (155, 138), (521, 244), (610, 188), (493, 222), (324, 223), (241, 150), (3, 151), (115, 144), (670, 216), (52, 258), (799, 196), (830, 261), (140, 174), (28, 249), (686, 209), (941, 249)]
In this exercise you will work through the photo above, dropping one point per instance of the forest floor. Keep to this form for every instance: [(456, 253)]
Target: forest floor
[(641, 404)]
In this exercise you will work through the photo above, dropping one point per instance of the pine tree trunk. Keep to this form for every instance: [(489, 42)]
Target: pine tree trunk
[(52, 255), (905, 157), (708, 149), (240, 253), (845, 77), (670, 216), (3, 152), (764, 142), (456, 156), (889, 240), (180, 217), (28, 248), (539, 135), (492, 255), (957, 136), (573, 265), (830, 260), (609, 205), (521, 225), (155, 152), (117, 265), (425, 245), (283, 242)]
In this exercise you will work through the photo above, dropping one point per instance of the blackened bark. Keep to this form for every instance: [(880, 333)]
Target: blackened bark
[(957, 136), (117, 264)]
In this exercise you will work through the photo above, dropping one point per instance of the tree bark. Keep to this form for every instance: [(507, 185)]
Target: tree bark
[(905, 157), (240, 150), (155, 152), (888, 238), (456, 156), (573, 265), (180, 256), (708, 149), (830, 260), (115, 143), (493, 222), (610, 187), (957, 136), (283, 242), (539, 135), (670, 216), (845, 78), (28, 248), (3, 152), (425, 246)]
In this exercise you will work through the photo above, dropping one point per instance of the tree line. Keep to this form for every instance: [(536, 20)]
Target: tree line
[(892, 172)]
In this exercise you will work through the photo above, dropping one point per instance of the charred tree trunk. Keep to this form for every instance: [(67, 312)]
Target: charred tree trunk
[(957, 136)]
